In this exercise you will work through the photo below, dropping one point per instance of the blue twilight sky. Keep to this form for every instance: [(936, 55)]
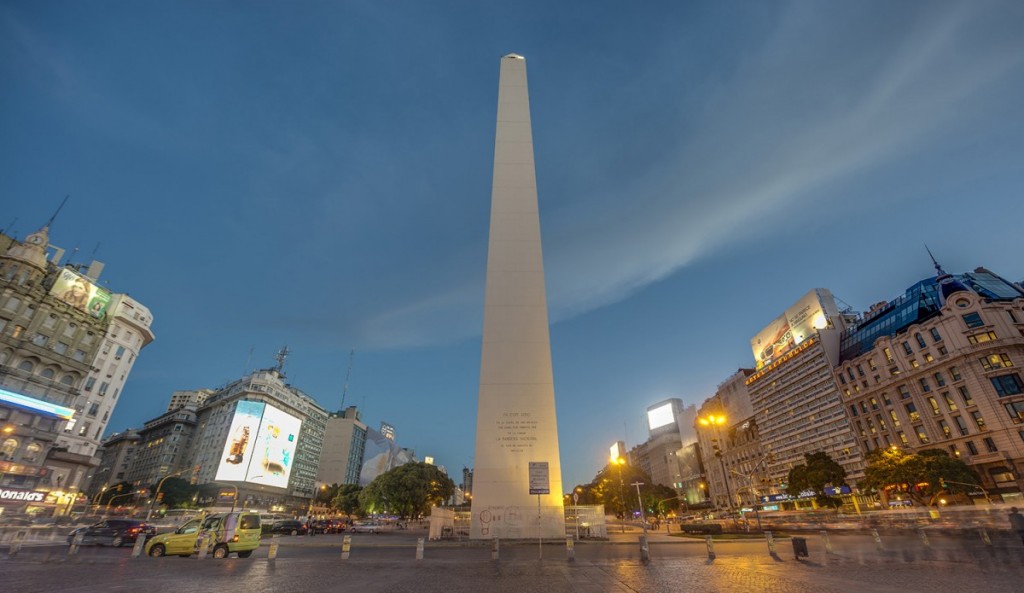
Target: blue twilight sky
[(317, 174)]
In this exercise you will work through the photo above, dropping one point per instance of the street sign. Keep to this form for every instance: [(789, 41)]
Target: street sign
[(539, 478)]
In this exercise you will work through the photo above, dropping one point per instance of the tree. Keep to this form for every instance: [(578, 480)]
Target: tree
[(346, 500), (917, 475), (816, 473), (176, 492), (611, 487), (407, 491)]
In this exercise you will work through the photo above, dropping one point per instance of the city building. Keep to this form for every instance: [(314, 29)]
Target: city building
[(116, 457), (344, 446), (670, 431), (164, 448), (191, 397), (798, 408), (262, 436), (938, 368), (728, 444), (60, 336)]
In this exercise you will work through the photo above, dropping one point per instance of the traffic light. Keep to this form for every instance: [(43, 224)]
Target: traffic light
[(942, 483), (159, 496)]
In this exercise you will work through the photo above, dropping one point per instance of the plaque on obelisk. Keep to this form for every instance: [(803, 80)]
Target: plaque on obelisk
[(516, 422)]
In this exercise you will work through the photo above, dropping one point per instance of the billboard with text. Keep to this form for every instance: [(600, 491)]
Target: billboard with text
[(261, 445), (815, 310), (79, 292)]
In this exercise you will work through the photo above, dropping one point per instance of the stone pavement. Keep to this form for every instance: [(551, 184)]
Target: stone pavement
[(691, 573)]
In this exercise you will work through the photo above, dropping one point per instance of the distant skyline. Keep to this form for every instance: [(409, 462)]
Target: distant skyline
[(317, 175)]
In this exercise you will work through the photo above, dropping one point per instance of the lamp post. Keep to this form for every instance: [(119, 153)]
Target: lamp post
[(716, 421), (156, 494), (619, 461), (113, 498), (639, 499)]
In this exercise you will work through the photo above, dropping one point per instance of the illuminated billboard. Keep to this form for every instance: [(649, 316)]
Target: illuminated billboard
[(815, 310), (261, 445), (80, 293), (36, 405), (660, 416)]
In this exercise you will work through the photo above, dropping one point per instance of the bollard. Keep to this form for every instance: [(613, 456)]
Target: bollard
[(201, 546), (494, 549), (346, 547), (924, 539), (76, 542), (15, 547), (645, 552), (140, 544), (771, 542), (570, 549), (985, 538), (711, 547), (826, 541), (272, 552), (878, 540), (419, 548)]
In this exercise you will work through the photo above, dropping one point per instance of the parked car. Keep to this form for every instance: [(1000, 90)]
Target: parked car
[(368, 527), (289, 527), (329, 526), (224, 533), (114, 532)]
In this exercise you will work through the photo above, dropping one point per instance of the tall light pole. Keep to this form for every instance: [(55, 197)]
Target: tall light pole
[(619, 461), (716, 421), (640, 499)]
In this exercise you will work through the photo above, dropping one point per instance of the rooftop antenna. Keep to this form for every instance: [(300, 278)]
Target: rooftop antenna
[(938, 268), (95, 249), (280, 357), (248, 362), (8, 229), (348, 373), (49, 223)]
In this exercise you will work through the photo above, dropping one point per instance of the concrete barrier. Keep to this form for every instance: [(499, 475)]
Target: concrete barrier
[(346, 547), (419, 548), (570, 549), (494, 549), (711, 547), (140, 544)]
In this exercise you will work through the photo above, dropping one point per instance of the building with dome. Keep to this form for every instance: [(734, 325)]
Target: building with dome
[(940, 368)]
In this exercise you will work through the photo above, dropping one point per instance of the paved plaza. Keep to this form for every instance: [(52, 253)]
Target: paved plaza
[(388, 565)]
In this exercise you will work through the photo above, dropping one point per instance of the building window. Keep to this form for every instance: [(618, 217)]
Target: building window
[(881, 422), (119, 353), (990, 445), (888, 354), (40, 340), (920, 340), (48, 374), (907, 348), (971, 448), (912, 412), (1013, 318), (921, 436), (943, 351), (949, 401), (961, 424), (32, 452), (874, 403), (928, 357), (935, 335), (996, 361), (853, 410), (913, 363), (895, 418), (939, 381), (955, 373), (1016, 411), (885, 398), (89, 383), (903, 438), (972, 320), (934, 403), (26, 366), (904, 391), (1007, 384), (94, 409), (103, 388), (946, 432), (982, 337), (8, 449), (978, 420), (964, 393), (925, 388)]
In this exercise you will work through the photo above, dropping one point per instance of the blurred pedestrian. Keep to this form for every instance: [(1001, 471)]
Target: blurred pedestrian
[(1017, 522)]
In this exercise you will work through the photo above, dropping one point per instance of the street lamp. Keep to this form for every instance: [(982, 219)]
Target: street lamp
[(716, 421), (619, 461)]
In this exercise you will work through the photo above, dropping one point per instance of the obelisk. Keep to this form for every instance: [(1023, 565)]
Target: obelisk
[(516, 425)]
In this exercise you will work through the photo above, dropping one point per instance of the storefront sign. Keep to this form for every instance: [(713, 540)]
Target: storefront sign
[(15, 494)]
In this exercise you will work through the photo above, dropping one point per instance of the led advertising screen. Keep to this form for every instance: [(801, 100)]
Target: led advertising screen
[(234, 463), (80, 293), (260, 447), (660, 416), (815, 310), (274, 452)]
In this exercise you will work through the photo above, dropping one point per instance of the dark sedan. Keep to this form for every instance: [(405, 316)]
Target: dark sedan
[(114, 532), (289, 527)]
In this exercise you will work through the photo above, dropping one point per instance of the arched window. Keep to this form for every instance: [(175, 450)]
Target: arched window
[(68, 380), (26, 365), (32, 452), (8, 448), (4, 356), (47, 374)]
